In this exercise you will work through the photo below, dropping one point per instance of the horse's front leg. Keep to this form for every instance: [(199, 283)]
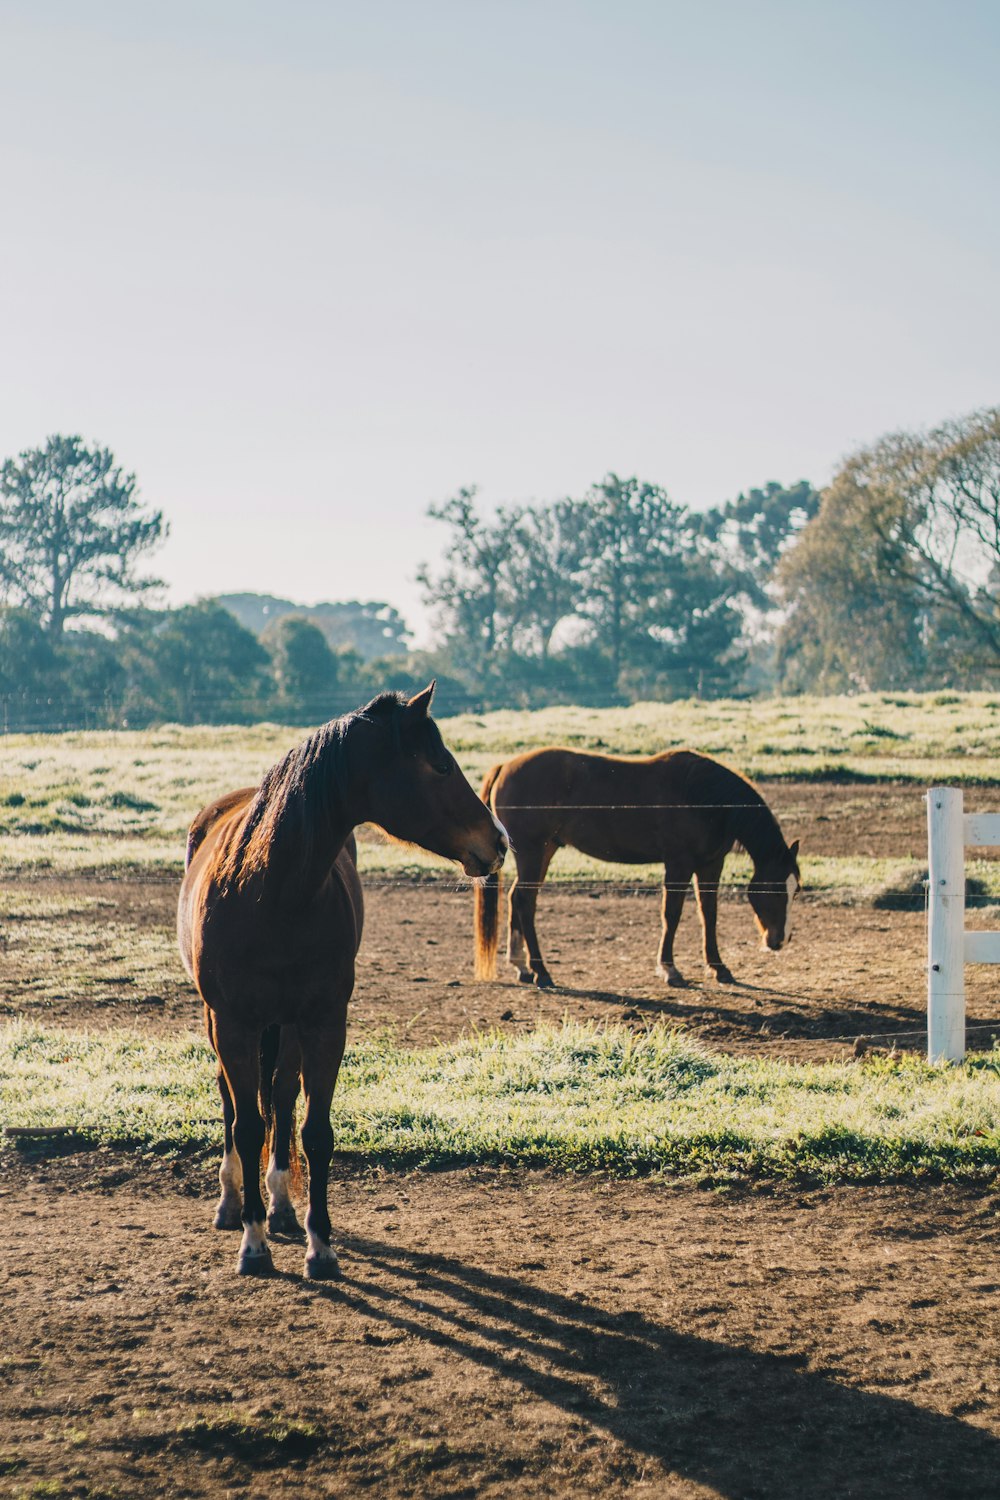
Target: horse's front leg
[(707, 885), (280, 1177), (229, 1210), (239, 1053), (322, 1052)]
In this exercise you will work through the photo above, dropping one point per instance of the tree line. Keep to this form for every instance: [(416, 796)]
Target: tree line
[(888, 578)]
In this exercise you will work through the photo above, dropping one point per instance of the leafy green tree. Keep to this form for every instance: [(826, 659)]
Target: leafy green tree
[(751, 533), (27, 671), (208, 669), (305, 669), (371, 627), (659, 610), (847, 629), (745, 540), (94, 678), (26, 655), (594, 598), (72, 533), (895, 577), (477, 607), (543, 574)]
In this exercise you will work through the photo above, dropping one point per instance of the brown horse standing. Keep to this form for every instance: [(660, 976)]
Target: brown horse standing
[(269, 923), (680, 807)]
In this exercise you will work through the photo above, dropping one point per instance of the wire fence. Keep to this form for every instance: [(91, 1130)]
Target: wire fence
[(916, 896)]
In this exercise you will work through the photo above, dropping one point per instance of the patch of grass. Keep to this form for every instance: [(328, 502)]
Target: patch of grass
[(251, 1438), (58, 945), (574, 1097)]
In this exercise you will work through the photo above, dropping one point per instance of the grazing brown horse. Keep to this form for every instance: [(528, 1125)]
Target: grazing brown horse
[(269, 923), (680, 807)]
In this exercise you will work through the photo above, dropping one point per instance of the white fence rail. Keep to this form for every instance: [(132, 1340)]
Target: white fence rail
[(950, 830)]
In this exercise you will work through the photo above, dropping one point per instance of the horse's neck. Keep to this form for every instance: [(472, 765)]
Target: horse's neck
[(303, 868), (756, 828), (313, 831)]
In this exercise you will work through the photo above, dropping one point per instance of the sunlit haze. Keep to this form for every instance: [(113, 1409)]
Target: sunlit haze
[(307, 268)]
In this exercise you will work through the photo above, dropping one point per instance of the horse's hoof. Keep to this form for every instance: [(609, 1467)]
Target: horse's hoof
[(721, 975), (322, 1267), (255, 1263), (544, 980), (525, 976), (285, 1223), (228, 1214), (673, 977)]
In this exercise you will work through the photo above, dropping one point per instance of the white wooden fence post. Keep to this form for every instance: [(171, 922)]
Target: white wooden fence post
[(945, 925)]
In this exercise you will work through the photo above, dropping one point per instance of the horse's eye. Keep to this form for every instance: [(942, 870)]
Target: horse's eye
[(441, 767)]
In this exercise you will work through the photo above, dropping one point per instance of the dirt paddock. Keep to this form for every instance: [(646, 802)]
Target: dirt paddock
[(508, 1333), (500, 1334)]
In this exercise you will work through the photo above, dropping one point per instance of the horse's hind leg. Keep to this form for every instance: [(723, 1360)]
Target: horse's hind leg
[(322, 1052), (279, 1178), (239, 1054), (532, 867), (707, 885), (675, 884)]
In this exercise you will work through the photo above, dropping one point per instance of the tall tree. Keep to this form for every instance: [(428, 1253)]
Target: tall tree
[(307, 673), (751, 533), (897, 574), (624, 569), (543, 568), (209, 669), (477, 609), (659, 609), (27, 668), (72, 532)]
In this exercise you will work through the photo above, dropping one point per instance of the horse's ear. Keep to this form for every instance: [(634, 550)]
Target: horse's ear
[(419, 705), (793, 849)]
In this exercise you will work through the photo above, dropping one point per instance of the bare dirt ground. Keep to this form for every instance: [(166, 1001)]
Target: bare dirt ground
[(517, 1333), (498, 1335)]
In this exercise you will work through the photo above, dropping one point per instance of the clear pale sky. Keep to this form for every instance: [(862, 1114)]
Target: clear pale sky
[(306, 267)]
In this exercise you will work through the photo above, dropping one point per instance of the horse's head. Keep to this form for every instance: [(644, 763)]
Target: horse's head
[(417, 793), (772, 891)]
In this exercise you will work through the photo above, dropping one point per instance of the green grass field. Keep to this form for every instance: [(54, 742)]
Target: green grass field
[(571, 1097), (115, 804), (122, 801)]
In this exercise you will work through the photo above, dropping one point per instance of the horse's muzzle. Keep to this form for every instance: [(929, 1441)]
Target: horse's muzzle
[(478, 866)]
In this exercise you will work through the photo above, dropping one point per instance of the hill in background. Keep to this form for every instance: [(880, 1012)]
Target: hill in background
[(372, 627)]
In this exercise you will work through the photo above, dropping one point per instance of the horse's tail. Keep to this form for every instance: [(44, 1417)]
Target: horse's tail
[(487, 902), (270, 1042)]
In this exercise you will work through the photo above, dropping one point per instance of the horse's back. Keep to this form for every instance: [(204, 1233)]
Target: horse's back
[(626, 809)]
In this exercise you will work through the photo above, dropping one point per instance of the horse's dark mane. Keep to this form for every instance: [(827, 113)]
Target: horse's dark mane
[(749, 820), (302, 794)]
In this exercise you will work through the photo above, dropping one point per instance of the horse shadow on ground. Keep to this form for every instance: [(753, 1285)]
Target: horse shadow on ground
[(750, 1425), (783, 1012)]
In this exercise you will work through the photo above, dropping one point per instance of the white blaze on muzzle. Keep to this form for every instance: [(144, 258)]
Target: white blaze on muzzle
[(791, 885)]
